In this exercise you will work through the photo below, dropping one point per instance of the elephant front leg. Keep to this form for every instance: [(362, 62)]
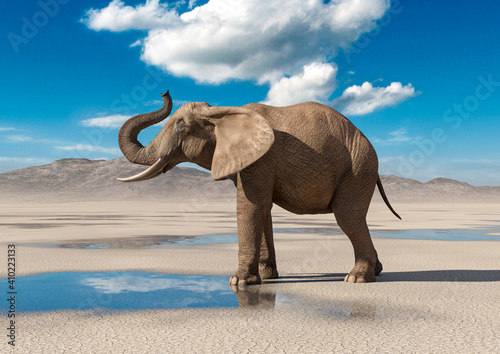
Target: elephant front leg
[(250, 229), (267, 263), (254, 203)]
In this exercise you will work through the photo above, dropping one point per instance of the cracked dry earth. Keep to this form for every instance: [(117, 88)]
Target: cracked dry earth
[(432, 297)]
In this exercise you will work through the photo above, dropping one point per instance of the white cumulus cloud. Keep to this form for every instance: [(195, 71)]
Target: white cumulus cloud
[(364, 99), (241, 39), (286, 44), (117, 16), (112, 121), (315, 83)]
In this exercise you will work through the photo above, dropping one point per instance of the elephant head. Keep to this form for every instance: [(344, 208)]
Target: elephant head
[(224, 140)]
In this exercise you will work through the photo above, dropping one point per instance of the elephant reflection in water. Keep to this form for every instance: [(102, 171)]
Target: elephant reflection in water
[(263, 297)]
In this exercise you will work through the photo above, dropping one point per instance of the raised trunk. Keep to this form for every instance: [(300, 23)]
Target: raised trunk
[(133, 150)]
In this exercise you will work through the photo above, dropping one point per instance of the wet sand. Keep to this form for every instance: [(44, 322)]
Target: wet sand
[(433, 296)]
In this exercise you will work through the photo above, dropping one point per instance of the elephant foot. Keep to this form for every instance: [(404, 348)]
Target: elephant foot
[(239, 280), (362, 272), (268, 272), (357, 278)]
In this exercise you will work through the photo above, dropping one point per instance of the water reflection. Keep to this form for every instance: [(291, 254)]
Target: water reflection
[(120, 291), (261, 296), (266, 297), (106, 291)]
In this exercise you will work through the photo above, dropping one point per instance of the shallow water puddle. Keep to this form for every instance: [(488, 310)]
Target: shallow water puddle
[(479, 234), (154, 241), (162, 241), (120, 291), (102, 292)]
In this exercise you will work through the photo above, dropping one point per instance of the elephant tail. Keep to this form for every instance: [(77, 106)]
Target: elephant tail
[(384, 197)]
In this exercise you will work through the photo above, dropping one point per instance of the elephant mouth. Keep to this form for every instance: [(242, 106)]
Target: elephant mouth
[(159, 167), (167, 168)]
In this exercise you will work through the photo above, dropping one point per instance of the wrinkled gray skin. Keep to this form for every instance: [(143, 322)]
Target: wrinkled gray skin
[(306, 158)]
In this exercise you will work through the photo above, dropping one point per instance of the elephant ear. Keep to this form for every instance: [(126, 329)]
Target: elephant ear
[(243, 136)]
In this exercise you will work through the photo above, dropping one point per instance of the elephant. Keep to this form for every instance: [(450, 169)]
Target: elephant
[(306, 158)]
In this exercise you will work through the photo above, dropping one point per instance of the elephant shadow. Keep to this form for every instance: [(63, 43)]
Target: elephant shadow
[(265, 296), (448, 275)]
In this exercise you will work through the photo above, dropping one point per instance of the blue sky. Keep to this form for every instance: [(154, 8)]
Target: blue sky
[(420, 79)]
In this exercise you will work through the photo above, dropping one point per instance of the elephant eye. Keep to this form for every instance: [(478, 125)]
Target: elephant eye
[(181, 128)]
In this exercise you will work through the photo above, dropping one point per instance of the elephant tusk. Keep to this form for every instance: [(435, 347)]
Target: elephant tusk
[(153, 171)]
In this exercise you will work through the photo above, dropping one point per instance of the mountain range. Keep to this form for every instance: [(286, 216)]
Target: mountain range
[(95, 180)]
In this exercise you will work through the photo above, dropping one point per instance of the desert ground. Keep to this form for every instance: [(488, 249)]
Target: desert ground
[(433, 295)]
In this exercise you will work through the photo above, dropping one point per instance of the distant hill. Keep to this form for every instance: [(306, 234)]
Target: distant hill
[(91, 180), (436, 190), (86, 180)]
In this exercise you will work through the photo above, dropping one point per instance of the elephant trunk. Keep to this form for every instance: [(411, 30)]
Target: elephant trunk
[(133, 150)]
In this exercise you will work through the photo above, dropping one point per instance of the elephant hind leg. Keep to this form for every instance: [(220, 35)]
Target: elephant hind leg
[(267, 263), (366, 264), (352, 220)]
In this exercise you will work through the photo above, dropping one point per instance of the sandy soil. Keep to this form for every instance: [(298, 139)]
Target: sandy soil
[(433, 296)]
